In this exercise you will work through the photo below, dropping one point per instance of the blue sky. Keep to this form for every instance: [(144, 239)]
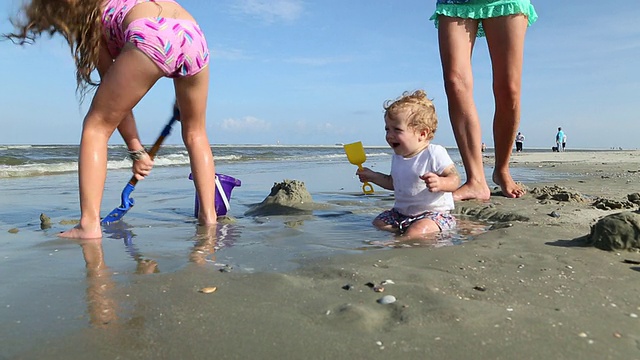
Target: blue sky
[(318, 71)]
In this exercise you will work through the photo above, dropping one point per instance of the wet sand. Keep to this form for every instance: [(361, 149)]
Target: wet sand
[(531, 288)]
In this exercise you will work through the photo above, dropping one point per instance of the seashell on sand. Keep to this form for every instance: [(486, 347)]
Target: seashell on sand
[(387, 299), (208, 290)]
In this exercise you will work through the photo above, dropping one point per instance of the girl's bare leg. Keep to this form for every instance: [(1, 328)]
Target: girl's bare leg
[(192, 93), (505, 38), (126, 82), (456, 38)]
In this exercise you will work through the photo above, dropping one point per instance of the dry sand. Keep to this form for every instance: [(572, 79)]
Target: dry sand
[(529, 289)]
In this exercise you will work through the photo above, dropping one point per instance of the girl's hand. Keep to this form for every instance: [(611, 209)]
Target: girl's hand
[(142, 167)]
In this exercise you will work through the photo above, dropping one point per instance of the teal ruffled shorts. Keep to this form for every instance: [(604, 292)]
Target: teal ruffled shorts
[(483, 9)]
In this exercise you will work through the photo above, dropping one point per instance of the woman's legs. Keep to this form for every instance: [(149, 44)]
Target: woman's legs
[(456, 38), (505, 38), (192, 93), (126, 82)]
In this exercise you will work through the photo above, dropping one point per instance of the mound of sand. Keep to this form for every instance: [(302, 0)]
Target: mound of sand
[(289, 197)]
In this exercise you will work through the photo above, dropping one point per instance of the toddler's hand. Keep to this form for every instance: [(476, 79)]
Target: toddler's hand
[(364, 174), (433, 181)]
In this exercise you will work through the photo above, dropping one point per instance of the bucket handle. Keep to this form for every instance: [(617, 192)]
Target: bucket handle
[(223, 195)]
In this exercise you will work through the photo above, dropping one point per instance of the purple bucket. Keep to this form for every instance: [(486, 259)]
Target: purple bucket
[(226, 183)]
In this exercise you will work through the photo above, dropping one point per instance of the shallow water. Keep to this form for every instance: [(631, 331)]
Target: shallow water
[(161, 226)]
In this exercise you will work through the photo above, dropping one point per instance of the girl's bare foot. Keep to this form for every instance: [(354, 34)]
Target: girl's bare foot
[(207, 219), (83, 232), (509, 187), (472, 191)]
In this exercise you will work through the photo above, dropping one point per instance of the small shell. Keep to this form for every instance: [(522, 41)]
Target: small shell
[(208, 290), (387, 299), (378, 288)]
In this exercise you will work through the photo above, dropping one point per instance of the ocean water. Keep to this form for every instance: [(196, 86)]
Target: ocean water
[(47, 160), (161, 227)]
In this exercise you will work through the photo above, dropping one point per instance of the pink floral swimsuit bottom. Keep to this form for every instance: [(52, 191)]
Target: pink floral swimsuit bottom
[(177, 46)]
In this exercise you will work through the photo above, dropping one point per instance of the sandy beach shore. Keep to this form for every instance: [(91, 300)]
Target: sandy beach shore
[(530, 288)]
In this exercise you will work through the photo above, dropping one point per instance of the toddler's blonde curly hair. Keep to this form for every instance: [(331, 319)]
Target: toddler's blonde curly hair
[(420, 111)]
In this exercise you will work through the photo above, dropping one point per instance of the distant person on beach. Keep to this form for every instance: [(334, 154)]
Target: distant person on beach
[(519, 141), (560, 137), (422, 174), (564, 140), (484, 147), (504, 23), (132, 44)]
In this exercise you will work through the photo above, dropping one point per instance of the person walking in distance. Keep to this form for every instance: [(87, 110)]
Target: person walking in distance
[(519, 141), (559, 140)]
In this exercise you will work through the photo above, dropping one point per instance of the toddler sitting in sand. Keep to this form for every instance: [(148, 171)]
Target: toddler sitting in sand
[(422, 174)]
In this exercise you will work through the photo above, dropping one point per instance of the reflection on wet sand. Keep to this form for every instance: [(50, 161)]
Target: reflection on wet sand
[(210, 239), (100, 305), (205, 245), (121, 230)]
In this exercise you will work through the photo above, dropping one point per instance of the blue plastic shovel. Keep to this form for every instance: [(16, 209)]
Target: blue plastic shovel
[(126, 201)]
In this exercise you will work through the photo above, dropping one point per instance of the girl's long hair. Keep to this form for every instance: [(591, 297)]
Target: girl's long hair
[(79, 22)]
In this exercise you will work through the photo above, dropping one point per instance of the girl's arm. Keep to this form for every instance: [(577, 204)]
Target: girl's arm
[(383, 180)]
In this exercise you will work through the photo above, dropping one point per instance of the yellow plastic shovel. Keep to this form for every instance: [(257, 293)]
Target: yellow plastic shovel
[(356, 155)]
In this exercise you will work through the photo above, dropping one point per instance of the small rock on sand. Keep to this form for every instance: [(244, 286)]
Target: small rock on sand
[(45, 221), (620, 231)]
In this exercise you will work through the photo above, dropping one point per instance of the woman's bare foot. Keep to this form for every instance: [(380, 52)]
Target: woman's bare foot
[(509, 187), (83, 232), (471, 191)]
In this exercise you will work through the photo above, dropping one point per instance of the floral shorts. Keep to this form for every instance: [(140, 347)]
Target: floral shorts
[(445, 221)]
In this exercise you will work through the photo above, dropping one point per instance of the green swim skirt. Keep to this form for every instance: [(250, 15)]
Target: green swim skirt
[(485, 9)]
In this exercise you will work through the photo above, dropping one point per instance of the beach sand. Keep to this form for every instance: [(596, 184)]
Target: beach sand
[(528, 289)]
